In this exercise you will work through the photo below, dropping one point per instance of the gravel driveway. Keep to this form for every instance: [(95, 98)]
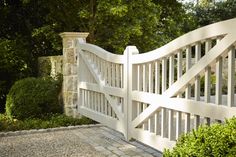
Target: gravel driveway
[(96, 141)]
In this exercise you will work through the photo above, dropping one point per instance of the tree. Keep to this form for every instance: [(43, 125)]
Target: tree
[(30, 28), (216, 12)]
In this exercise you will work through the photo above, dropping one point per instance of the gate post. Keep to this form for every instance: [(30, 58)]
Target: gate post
[(129, 83), (69, 88)]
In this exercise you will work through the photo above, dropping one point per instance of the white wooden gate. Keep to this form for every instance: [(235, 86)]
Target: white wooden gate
[(156, 96)]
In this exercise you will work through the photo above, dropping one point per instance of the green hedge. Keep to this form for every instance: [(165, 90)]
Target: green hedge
[(33, 97), (217, 140)]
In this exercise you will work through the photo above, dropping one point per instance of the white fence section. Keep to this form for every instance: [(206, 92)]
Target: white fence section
[(156, 96)]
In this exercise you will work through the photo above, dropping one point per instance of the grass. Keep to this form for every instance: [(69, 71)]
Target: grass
[(49, 121)]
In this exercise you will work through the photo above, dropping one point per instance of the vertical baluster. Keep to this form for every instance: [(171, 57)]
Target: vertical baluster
[(99, 102), (139, 86), (207, 74), (145, 125), (106, 72), (188, 66), (231, 77), (105, 105), (157, 77), (150, 78), (87, 98), (117, 76), (113, 76), (121, 76), (197, 82), (102, 103), (179, 64), (188, 88), (90, 100), (156, 123), (109, 72), (82, 97), (170, 112), (218, 94), (164, 74), (157, 91), (96, 102), (178, 124), (219, 65), (179, 74), (163, 110), (207, 93), (150, 89), (113, 79)]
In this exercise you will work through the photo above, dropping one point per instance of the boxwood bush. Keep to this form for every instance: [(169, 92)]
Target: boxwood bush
[(209, 141), (33, 97)]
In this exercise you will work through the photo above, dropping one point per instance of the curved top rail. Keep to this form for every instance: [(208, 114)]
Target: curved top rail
[(210, 31), (100, 52)]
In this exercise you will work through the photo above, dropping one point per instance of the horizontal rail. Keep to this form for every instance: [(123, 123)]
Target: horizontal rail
[(96, 88), (184, 105), (210, 31), (110, 57)]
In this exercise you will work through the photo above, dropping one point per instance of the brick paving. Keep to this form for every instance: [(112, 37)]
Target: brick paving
[(95, 141)]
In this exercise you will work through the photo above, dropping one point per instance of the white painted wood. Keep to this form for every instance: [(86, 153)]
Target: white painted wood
[(126, 102), (170, 112), (157, 102), (150, 78), (207, 84), (170, 124), (157, 77), (179, 64), (101, 53), (145, 88), (152, 140), (218, 89), (139, 86), (163, 122), (164, 75), (187, 122), (117, 76), (205, 61), (178, 124), (231, 77), (171, 70), (197, 83)]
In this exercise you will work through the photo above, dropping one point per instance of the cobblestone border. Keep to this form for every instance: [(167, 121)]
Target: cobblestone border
[(34, 131)]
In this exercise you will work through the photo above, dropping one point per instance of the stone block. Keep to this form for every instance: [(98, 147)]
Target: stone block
[(69, 111), (75, 99), (74, 69), (75, 80), (70, 56), (69, 83)]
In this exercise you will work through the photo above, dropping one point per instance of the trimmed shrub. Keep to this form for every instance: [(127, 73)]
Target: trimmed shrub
[(208, 141), (33, 97)]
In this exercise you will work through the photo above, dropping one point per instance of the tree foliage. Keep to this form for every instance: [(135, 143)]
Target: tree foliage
[(214, 12), (30, 28)]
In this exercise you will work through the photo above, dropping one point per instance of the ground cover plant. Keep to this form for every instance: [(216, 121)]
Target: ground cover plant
[(208, 141), (49, 121)]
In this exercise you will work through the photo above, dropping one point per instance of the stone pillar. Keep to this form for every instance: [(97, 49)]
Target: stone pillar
[(69, 89)]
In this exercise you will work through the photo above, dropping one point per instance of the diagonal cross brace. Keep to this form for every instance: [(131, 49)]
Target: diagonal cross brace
[(101, 84)]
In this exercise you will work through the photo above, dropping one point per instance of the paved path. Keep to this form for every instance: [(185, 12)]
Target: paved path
[(96, 141)]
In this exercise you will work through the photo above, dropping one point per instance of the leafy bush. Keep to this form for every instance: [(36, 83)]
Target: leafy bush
[(49, 121), (216, 140), (33, 97)]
